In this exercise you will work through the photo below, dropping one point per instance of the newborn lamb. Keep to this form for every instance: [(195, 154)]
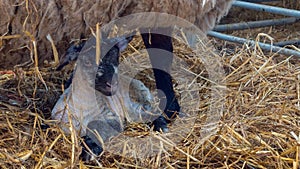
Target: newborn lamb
[(98, 99)]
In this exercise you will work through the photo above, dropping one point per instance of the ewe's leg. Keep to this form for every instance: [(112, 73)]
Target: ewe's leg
[(160, 50)]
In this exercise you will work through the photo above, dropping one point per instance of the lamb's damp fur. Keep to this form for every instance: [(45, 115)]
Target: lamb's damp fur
[(65, 20), (93, 106)]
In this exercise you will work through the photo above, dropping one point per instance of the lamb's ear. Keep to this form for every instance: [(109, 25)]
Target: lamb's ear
[(71, 54), (123, 43)]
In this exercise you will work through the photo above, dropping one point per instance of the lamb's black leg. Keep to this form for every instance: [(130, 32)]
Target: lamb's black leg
[(106, 128), (160, 50), (96, 149)]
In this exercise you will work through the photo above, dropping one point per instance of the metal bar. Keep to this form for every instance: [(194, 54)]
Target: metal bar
[(268, 8), (290, 42), (255, 24), (255, 1), (263, 46)]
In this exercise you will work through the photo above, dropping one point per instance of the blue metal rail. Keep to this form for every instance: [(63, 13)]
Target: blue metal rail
[(295, 16), (255, 24), (268, 8), (290, 42), (263, 46), (260, 0)]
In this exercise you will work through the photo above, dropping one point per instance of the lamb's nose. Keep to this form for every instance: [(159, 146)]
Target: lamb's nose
[(108, 84), (115, 83)]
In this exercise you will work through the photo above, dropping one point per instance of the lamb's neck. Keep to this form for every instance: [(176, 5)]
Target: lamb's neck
[(84, 98)]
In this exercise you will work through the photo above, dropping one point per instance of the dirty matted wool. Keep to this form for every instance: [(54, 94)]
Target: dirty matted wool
[(24, 21)]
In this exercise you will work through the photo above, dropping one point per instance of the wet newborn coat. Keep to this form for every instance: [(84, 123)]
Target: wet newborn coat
[(93, 110)]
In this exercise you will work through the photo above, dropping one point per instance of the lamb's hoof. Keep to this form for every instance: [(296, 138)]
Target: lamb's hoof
[(160, 124), (95, 148), (44, 126)]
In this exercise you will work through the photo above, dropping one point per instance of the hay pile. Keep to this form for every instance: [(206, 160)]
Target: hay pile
[(259, 127)]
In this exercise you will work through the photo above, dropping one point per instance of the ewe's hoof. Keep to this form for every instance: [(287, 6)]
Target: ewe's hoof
[(96, 149), (160, 124)]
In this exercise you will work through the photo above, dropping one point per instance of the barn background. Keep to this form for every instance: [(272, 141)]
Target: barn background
[(260, 127)]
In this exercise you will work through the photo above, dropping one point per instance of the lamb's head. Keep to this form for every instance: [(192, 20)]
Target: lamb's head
[(106, 80), (104, 76)]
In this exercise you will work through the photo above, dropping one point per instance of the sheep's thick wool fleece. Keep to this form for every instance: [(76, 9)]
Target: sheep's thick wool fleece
[(71, 19)]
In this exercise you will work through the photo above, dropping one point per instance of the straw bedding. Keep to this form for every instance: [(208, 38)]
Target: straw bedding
[(259, 127)]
